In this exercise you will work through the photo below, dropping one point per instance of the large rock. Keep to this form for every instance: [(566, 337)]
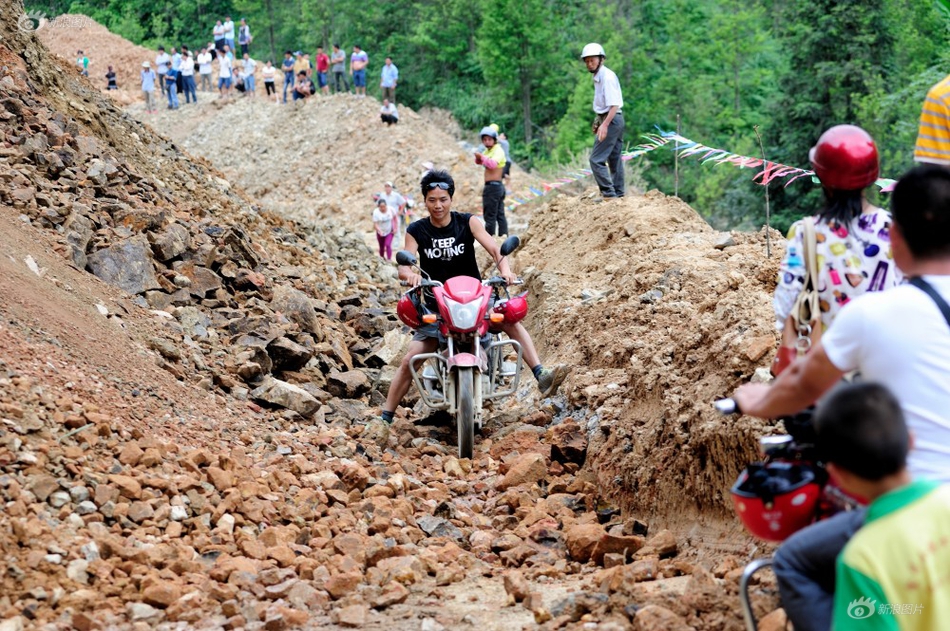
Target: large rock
[(390, 349), (288, 355), (286, 395), (172, 242), (582, 539), (568, 443), (347, 385), (79, 231), (528, 469), (656, 618), (127, 265), (297, 307), (610, 544)]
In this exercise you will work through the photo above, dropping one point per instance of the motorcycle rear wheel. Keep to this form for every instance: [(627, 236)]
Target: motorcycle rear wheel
[(465, 416)]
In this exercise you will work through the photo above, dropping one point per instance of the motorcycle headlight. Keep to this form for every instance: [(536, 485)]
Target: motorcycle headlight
[(463, 316)]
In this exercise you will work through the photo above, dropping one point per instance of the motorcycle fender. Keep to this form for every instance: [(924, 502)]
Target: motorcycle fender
[(463, 360)]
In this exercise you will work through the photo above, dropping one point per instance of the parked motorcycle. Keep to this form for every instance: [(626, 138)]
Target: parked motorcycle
[(785, 492), (474, 362)]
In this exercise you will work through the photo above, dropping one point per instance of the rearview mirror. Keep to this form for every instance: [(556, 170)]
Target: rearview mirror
[(510, 245), (404, 257)]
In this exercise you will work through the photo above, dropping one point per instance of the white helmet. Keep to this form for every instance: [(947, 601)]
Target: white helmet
[(488, 131), (593, 50)]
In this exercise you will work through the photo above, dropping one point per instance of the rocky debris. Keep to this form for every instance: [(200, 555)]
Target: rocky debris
[(251, 297)]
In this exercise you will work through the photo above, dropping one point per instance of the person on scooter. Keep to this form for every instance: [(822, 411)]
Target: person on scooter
[(444, 243), (853, 244), (899, 338), (894, 566)]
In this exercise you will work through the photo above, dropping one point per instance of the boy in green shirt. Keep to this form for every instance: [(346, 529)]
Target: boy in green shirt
[(895, 572)]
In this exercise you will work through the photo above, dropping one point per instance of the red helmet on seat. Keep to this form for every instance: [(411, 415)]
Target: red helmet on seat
[(845, 158), (515, 309), (777, 499), (408, 311)]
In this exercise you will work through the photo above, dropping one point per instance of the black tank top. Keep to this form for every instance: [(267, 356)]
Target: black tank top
[(446, 252)]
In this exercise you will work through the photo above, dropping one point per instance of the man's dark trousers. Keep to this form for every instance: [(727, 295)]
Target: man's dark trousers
[(607, 155), (493, 207)]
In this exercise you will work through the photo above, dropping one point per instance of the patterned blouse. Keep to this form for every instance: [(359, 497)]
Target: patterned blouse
[(853, 258)]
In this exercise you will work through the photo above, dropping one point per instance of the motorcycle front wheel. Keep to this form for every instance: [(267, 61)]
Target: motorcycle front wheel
[(465, 416)]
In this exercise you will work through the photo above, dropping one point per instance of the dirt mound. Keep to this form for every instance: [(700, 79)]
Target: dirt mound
[(661, 315), (323, 157), (68, 33)]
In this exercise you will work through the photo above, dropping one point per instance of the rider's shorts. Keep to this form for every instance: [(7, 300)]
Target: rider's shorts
[(426, 332)]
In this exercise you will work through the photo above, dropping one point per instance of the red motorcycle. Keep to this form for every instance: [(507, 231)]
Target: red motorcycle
[(785, 492), (473, 363)]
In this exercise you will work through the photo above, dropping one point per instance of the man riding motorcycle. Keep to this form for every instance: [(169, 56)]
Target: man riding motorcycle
[(444, 243), (899, 338)]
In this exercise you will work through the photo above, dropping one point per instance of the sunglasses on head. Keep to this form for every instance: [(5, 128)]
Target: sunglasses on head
[(443, 185)]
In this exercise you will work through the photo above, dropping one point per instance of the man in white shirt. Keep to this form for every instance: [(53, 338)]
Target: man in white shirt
[(871, 335), (229, 32), (388, 113), (204, 69), (187, 68), (161, 66), (247, 73), (605, 159), (224, 76)]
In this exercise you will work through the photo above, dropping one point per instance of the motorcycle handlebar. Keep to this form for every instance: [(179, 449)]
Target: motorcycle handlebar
[(424, 283), (498, 280)]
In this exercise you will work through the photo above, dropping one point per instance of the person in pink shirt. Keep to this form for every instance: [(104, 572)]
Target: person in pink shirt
[(323, 69)]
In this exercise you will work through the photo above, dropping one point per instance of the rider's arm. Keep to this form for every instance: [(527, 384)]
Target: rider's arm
[(488, 242), (406, 273), (796, 388)]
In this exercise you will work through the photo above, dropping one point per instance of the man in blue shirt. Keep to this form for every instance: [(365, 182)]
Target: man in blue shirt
[(287, 65), (171, 84), (389, 76)]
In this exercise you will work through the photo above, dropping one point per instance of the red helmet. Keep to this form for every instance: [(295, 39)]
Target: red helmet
[(408, 311), (515, 309), (777, 499), (845, 158)]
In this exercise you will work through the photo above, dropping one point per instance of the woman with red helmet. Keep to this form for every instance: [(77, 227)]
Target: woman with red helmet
[(853, 236)]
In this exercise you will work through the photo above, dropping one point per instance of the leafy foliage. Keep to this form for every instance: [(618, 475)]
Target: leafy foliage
[(719, 67)]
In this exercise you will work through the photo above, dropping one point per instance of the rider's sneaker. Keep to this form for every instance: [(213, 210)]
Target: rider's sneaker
[(551, 379), (377, 431)]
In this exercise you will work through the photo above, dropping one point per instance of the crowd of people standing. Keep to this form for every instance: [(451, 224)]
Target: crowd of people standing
[(176, 70)]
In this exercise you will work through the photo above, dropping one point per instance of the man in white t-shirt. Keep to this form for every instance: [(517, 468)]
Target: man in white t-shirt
[(898, 338), (224, 75), (187, 68), (204, 69)]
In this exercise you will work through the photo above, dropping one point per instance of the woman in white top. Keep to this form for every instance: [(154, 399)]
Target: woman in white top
[(853, 236), (385, 220), (269, 72)]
